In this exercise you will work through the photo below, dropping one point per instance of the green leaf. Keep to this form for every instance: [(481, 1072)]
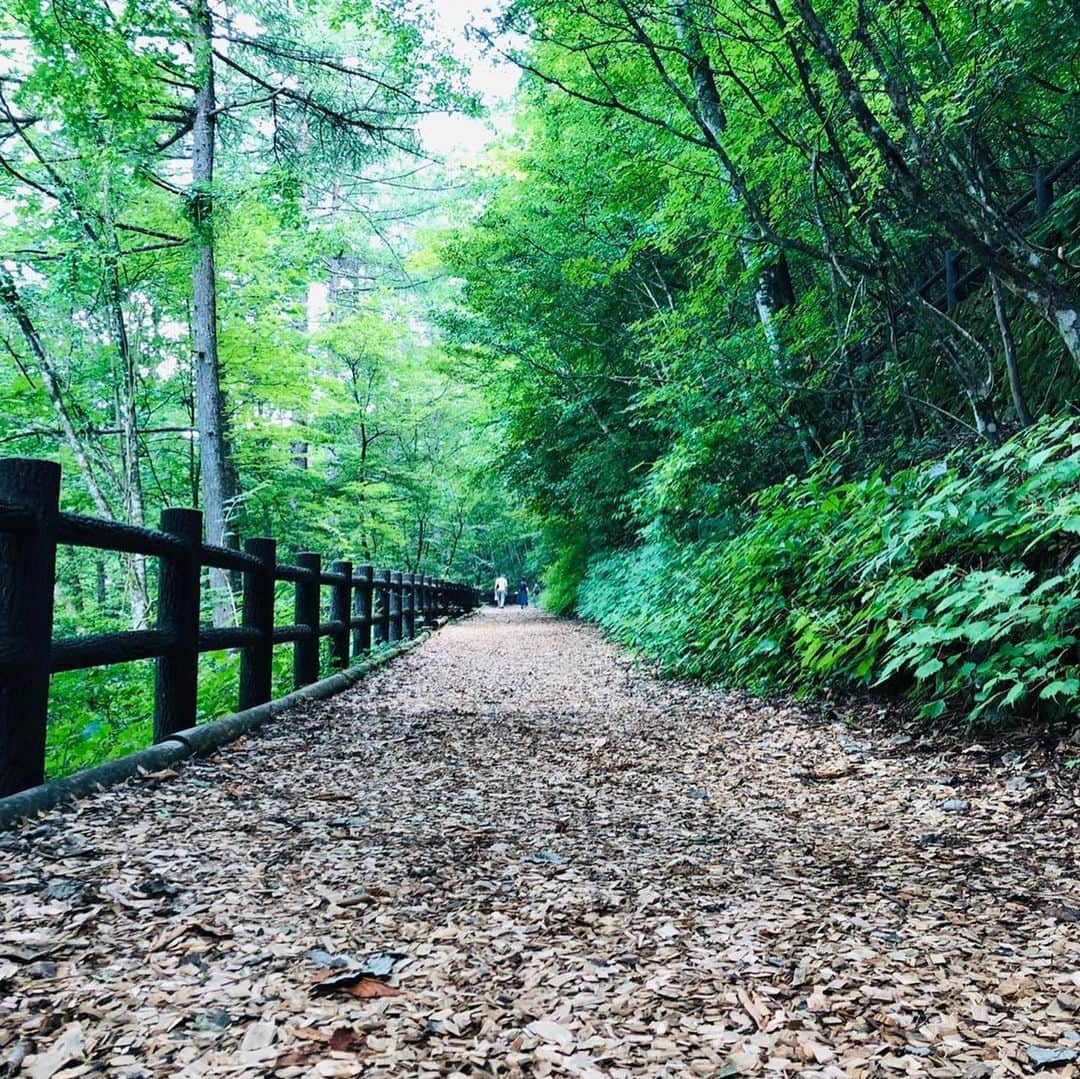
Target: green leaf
[(930, 667), (1061, 687)]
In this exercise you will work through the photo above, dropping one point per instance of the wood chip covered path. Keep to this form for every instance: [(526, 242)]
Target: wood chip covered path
[(512, 853)]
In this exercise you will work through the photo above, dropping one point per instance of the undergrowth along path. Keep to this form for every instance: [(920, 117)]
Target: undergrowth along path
[(513, 853)]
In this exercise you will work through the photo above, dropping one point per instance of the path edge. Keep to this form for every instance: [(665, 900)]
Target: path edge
[(192, 742)]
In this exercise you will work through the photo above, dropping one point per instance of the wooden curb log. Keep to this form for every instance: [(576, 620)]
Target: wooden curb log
[(368, 607)]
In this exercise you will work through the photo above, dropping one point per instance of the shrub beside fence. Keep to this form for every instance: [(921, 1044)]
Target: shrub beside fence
[(367, 607)]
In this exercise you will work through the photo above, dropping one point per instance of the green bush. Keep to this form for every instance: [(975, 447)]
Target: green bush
[(956, 582), (102, 713), (98, 714), (569, 553)]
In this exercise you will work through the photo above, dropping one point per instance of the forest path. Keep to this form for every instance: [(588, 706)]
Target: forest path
[(572, 869)]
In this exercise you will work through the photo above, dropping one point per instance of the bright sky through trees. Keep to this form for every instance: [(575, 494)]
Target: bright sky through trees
[(452, 135)]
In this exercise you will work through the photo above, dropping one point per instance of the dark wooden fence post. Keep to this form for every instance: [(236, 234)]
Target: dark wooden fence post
[(393, 629), (257, 659), (1044, 191), (306, 613), (376, 608), (952, 276), (384, 606), (176, 678), (27, 578), (409, 585), (381, 598), (363, 608), (340, 595)]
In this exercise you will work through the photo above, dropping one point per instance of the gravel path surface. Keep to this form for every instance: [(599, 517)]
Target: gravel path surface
[(513, 853)]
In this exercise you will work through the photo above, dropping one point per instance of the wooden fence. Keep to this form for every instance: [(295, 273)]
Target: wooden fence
[(949, 284), (366, 606), (1035, 203)]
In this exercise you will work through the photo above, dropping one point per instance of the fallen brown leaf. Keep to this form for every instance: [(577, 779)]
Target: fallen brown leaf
[(344, 1039), (368, 988)]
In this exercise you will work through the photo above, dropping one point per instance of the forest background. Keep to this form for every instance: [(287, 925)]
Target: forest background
[(213, 293), (764, 319)]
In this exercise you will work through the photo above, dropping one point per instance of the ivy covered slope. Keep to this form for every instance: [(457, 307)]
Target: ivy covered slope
[(957, 581), (760, 294)]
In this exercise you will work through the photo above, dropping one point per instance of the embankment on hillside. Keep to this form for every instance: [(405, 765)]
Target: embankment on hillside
[(956, 582)]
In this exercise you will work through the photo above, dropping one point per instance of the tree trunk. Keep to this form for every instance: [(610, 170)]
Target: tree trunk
[(209, 399), (1008, 343), (74, 581), (1051, 300), (459, 529), (893, 352), (699, 68), (773, 291), (964, 356), (10, 298), (127, 421), (421, 539), (101, 586)]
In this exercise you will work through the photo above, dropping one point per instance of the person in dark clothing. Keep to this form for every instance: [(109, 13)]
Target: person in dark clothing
[(523, 593)]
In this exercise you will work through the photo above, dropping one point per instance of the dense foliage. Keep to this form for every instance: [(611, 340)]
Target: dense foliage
[(340, 428), (957, 580), (742, 277)]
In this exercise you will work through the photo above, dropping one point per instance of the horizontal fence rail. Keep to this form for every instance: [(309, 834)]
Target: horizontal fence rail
[(948, 285), (367, 607)]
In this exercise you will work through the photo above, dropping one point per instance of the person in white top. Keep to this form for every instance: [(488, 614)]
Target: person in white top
[(501, 588)]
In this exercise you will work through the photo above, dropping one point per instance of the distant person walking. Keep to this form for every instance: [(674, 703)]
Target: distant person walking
[(523, 593), (502, 586)]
